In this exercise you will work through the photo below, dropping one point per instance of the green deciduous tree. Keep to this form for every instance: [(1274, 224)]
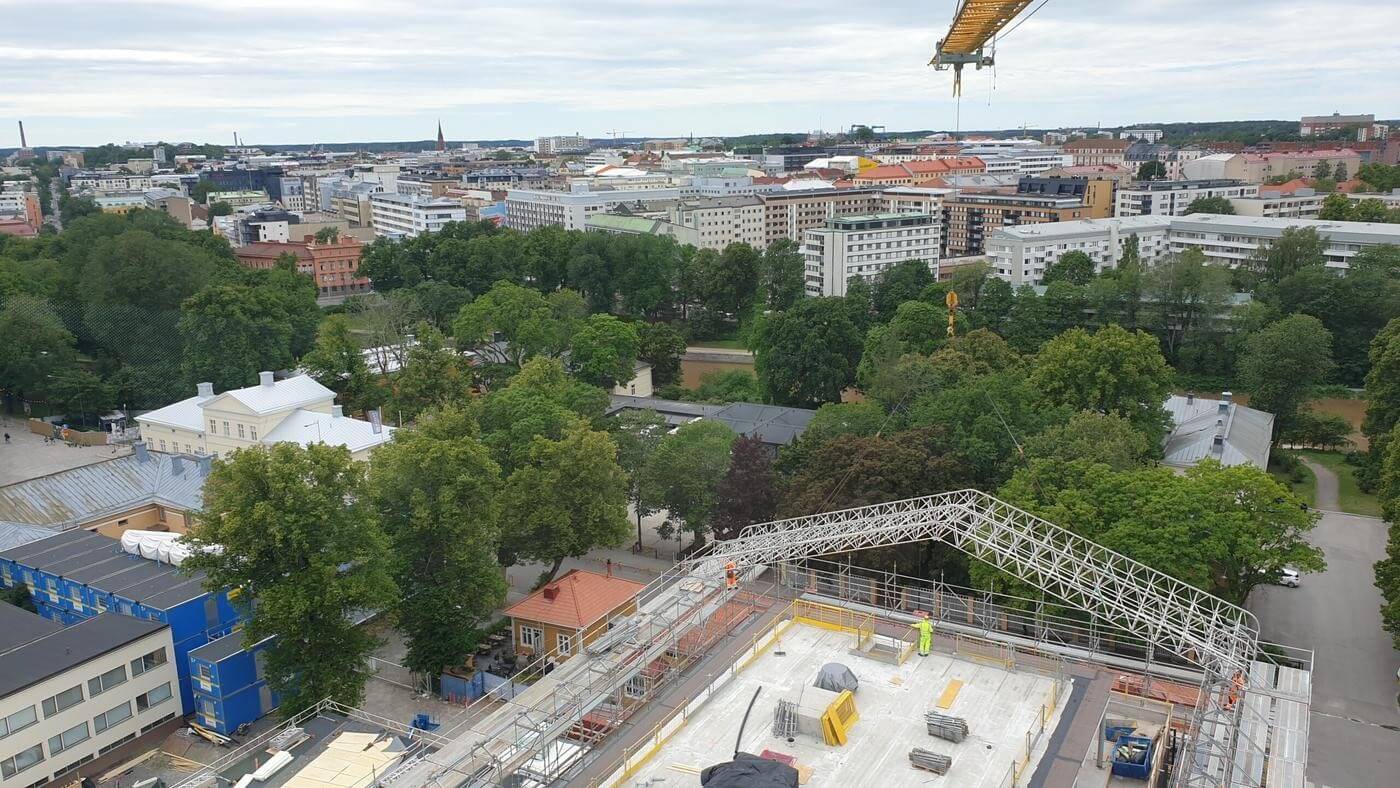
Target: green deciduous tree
[(683, 474), (1218, 205), (1105, 438), (637, 433), (808, 354), (81, 393), (541, 401), (1153, 170), (297, 536), (904, 281), (433, 376), (1337, 207), (1281, 365), (230, 333), (569, 497), (603, 351), (1296, 249), (1187, 295), (1387, 569), (434, 488), (1223, 530), (521, 317), (1074, 267), (1110, 371), (34, 344), (661, 346), (338, 363), (783, 275)]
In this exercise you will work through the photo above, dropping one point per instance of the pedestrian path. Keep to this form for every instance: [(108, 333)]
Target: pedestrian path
[(1327, 486)]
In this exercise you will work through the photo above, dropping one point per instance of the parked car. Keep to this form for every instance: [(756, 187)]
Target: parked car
[(1290, 577)]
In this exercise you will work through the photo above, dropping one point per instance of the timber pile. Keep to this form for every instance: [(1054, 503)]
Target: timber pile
[(943, 726), (929, 760)]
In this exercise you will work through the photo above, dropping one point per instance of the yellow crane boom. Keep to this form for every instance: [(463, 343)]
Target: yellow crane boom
[(974, 24)]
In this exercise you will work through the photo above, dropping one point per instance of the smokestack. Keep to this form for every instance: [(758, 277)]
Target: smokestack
[(22, 142)]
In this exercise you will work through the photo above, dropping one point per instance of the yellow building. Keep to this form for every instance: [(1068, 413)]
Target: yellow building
[(296, 410), (569, 613)]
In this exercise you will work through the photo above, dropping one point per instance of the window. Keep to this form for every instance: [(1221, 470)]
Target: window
[(114, 745), (18, 721), (252, 433), (142, 664), (531, 636), (564, 644), (63, 700), (240, 431), (225, 429), (155, 697), (111, 717), (21, 761), (74, 735), (213, 427), (162, 445), (108, 680)]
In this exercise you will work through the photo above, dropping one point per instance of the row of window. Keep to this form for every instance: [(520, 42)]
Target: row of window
[(534, 638), (80, 733)]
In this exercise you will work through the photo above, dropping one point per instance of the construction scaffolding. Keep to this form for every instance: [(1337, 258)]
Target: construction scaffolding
[(541, 735)]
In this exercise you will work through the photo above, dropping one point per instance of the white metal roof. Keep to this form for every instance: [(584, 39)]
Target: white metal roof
[(294, 392), (305, 427), (1248, 433)]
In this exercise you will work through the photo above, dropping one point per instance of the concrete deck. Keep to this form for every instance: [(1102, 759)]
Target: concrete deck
[(1001, 706)]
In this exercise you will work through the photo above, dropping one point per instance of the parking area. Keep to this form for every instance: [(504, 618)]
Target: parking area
[(26, 456)]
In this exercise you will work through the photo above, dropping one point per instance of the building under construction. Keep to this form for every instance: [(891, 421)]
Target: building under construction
[(769, 648)]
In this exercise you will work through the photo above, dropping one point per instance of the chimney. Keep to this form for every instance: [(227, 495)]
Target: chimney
[(337, 411), (205, 463), (204, 390), (265, 378), (1224, 407), (1226, 397), (22, 142), (1217, 446), (551, 592), (139, 449), (1190, 398), (177, 465)]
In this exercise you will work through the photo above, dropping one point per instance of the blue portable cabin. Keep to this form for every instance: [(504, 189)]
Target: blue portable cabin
[(228, 682), (78, 574)]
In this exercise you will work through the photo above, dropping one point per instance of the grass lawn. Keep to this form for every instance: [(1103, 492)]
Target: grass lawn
[(1350, 497), (1306, 489), (730, 344)]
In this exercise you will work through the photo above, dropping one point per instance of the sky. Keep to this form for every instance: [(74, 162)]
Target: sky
[(283, 71)]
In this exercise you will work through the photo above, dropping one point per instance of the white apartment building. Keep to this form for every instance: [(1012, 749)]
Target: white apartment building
[(527, 209), (296, 410), (71, 695), (1230, 240), (106, 181), (727, 186), (1171, 198), (1018, 160), (865, 246), (1302, 204), (916, 199), (404, 215), (1020, 255), (553, 146), (721, 221), (1145, 135)]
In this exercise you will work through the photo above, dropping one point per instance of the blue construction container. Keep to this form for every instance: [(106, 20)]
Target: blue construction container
[(1132, 757), (228, 683), (79, 574)]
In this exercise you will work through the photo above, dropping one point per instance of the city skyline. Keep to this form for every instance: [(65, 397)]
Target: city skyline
[(352, 70)]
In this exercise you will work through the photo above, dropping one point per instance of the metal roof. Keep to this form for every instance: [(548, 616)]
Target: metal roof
[(30, 661), (17, 534), (99, 562), (70, 498), (772, 424), (1247, 434)]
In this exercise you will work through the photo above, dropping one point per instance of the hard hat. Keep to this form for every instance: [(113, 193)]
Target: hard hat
[(923, 614)]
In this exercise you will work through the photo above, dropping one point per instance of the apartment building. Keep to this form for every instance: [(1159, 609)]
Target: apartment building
[(76, 700), (1018, 160), (720, 221), (334, 264), (527, 209), (21, 203), (789, 214), (120, 203), (108, 181), (916, 199), (403, 215), (1230, 240), (554, 146), (1095, 193), (1313, 125), (1144, 135), (240, 198), (969, 217), (1171, 198), (1260, 167), (1097, 150), (919, 170), (864, 246), (172, 202), (1021, 255), (296, 410), (1300, 204)]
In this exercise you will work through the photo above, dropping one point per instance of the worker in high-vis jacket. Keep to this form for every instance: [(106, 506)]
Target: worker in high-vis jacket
[(925, 628)]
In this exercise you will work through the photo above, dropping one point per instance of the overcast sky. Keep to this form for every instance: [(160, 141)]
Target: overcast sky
[(280, 71)]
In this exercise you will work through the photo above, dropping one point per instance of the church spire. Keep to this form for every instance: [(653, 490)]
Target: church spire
[(442, 143)]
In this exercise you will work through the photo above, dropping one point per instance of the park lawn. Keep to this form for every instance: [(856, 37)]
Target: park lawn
[(1305, 490), (1349, 495)]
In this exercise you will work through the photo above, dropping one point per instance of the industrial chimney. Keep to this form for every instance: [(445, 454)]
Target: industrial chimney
[(22, 142)]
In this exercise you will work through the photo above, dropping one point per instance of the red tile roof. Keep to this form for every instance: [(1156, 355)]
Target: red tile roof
[(18, 227), (580, 598)]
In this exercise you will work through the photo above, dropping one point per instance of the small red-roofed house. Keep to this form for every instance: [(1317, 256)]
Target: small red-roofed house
[(570, 612)]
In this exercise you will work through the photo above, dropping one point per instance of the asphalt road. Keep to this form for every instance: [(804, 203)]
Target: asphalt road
[(1354, 738)]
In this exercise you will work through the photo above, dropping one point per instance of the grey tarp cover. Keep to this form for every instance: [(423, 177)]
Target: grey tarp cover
[(836, 677), (749, 771)]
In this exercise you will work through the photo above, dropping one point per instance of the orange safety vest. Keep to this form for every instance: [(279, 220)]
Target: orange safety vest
[(731, 577)]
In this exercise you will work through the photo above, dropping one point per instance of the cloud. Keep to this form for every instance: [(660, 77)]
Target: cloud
[(338, 70)]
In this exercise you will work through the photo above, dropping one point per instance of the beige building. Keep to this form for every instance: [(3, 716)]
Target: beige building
[(569, 613), (1097, 151), (75, 700), (790, 214), (296, 410), (721, 221)]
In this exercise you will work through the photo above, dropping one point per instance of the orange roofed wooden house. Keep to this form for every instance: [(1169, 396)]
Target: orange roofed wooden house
[(570, 610)]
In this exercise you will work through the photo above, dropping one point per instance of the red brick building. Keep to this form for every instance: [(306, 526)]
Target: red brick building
[(334, 265)]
